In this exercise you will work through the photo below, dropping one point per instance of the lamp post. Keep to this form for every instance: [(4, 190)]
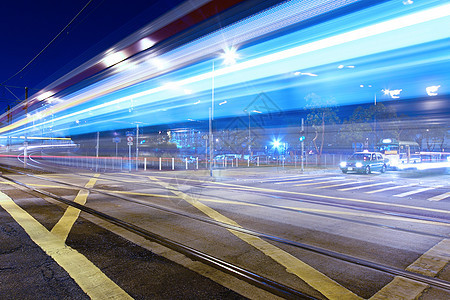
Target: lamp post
[(249, 130), (229, 57)]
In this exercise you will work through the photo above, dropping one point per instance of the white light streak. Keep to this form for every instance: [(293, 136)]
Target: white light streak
[(145, 43), (113, 58), (395, 94), (432, 90), (229, 56), (44, 95)]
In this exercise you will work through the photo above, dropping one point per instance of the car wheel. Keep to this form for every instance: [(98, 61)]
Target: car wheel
[(383, 169), (367, 170), (344, 171)]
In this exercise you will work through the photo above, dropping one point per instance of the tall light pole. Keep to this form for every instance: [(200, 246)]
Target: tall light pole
[(211, 117), (229, 57), (249, 129)]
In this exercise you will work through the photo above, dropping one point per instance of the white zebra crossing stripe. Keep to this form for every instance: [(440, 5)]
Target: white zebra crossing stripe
[(364, 186), (318, 182), (390, 188), (416, 191), (304, 180), (440, 197), (339, 184)]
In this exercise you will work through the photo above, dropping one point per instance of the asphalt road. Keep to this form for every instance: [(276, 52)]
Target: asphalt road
[(327, 234)]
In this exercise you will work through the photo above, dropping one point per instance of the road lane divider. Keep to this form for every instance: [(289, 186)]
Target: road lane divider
[(65, 224), (267, 190), (314, 278), (88, 276), (428, 264)]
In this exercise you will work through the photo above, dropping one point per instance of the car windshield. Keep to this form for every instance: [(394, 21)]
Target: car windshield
[(360, 156)]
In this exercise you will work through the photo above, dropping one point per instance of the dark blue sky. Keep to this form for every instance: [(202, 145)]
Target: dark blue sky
[(28, 26)]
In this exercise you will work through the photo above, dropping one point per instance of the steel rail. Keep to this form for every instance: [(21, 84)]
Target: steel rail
[(238, 272), (435, 282)]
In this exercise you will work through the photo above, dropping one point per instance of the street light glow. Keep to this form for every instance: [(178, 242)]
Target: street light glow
[(432, 90), (395, 94), (229, 56), (276, 144)]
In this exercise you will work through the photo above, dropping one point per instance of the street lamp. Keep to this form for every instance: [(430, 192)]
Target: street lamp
[(249, 130), (229, 57)]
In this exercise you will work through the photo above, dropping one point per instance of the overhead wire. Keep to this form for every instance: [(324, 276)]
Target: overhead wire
[(35, 57)]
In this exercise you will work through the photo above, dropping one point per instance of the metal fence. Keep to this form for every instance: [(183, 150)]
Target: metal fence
[(172, 163)]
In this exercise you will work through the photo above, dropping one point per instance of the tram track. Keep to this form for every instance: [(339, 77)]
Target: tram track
[(208, 260)]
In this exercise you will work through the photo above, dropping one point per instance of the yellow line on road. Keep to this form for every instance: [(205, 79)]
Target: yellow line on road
[(331, 212), (251, 188), (90, 278), (137, 194), (65, 224), (429, 264), (7, 182), (54, 186), (325, 285)]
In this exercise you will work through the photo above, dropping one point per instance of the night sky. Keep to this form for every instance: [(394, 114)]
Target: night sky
[(28, 26)]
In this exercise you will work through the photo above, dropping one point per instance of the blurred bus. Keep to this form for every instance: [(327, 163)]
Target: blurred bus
[(399, 152)]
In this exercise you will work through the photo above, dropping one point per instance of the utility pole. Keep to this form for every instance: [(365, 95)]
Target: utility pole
[(137, 145), (302, 139), (96, 150)]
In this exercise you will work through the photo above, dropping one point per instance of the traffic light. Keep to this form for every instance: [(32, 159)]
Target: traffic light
[(302, 135)]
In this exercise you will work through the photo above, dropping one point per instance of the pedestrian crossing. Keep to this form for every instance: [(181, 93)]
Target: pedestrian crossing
[(398, 189)]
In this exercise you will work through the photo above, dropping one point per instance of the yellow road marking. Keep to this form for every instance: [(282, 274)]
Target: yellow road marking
[(54, 186), (137, 194), (440, 197), (90, 278), (332, 212), (65, 224), (7, 182), (432, 261), (400, 288), (250, 188), (429, 264), (325, 285), (329, 197)]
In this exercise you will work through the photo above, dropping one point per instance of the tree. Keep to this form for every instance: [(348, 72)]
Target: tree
[(371, 124), (322, 113)]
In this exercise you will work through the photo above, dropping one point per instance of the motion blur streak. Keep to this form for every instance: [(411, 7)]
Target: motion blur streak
[(142, 93)]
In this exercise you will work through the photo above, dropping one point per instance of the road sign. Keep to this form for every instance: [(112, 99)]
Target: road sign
[(130, 143), (129, 139), (116, 140)]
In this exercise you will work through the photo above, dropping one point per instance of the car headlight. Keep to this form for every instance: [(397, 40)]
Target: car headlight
[(343, 164), (358, 165)]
